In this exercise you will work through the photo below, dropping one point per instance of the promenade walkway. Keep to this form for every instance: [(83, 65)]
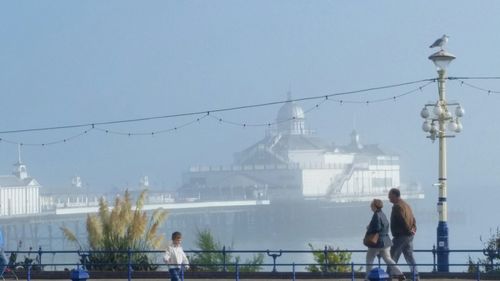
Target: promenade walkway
[(342, 279)]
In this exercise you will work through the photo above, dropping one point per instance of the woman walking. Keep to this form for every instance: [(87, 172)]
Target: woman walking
[(381, 246)]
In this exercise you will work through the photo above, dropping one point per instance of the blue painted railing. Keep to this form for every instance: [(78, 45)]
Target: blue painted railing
[(37, 260)]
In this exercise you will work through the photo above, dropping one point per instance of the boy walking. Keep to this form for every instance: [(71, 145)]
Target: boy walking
[(175, 257)]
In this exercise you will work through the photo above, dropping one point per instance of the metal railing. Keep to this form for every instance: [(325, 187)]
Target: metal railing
[(278, 262)]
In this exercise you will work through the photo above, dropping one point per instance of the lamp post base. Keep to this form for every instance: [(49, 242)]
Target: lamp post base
[(443, 263)]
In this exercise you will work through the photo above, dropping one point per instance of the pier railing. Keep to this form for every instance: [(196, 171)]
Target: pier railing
[(472, 263)]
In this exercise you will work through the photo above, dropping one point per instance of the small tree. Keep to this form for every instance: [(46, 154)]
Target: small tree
[(212, 259), (333, 261), (492, 252), (118, 230)]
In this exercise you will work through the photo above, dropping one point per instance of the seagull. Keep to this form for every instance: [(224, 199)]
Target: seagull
[(440, 42)]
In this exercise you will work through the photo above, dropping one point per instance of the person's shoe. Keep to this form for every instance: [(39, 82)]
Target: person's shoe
[(399, 277)]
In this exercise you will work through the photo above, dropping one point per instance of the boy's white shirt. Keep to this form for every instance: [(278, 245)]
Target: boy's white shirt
[(175, 257)]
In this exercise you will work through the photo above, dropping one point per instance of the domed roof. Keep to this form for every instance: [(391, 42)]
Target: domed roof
[(289, 111), (291, 118)]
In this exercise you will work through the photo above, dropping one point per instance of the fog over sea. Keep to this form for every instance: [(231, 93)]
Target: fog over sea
[(472, 215)]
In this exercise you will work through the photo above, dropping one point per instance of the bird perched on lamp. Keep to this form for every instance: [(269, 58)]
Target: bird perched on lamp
[(440, 42)]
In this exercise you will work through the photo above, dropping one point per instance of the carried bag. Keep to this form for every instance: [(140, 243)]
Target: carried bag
[(371, 240)]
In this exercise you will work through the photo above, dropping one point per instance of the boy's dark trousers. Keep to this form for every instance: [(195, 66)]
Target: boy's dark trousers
[(175, 274)]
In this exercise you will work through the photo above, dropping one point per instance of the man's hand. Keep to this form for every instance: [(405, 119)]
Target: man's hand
[(413, 230)]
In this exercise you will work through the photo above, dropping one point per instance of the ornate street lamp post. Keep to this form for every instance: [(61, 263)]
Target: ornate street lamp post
[(439, 121)]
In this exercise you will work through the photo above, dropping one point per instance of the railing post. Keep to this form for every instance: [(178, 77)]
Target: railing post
[(224, 265), (237, 271), (40, 257), (434, 258), (325, 253), (293, 271), (29, 273), (491, 257), (129, 264), (478, 272), (274, 256), (352, 271)]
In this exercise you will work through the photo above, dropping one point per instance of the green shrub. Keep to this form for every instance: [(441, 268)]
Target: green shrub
[(213, 261), (336, 261), (491, 248)]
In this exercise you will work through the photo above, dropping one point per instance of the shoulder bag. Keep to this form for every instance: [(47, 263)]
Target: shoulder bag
[(371, 240)]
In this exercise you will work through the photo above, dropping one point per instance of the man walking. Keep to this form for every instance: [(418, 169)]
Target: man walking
[(403, 229)]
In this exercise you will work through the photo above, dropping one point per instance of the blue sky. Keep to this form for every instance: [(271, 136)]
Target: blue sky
[(67, 62)]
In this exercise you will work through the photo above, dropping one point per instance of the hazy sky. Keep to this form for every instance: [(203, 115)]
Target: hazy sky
[(67, 62)]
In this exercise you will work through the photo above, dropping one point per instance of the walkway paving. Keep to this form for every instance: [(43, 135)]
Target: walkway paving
[(358, 279)]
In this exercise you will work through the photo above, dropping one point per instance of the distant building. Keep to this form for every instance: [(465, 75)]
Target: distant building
[(19, 193), (291, 162)]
